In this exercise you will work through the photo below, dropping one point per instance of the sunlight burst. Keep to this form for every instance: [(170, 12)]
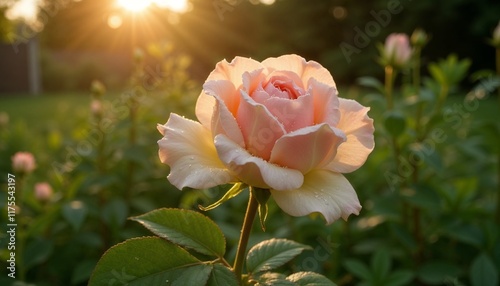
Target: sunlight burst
[(134, 5), (137, 6)]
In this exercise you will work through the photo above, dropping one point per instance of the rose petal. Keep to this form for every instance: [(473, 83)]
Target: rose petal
[(254, 171), (223, 122), (259, 127), (358, 127), (298, 65), (283, 76), (188, 148), (323, 191), (307, 148), (326, 102), (253, 80), (234, 71), (292, 114), (226, 91), (204, 109)]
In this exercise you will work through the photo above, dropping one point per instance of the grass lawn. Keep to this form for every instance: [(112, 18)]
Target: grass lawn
[(46, 106)]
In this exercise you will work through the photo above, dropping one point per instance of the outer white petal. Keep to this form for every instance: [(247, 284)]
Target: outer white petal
[(358, 127), (255, 171), (323, 191), (188, 148)]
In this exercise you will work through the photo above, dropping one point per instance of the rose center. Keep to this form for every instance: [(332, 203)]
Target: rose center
[(284, 88)]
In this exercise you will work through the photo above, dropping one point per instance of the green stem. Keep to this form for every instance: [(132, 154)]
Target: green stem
[(389, 82), (498, 186), (498, 166), (245, 235), (498, 69), (417, 233), (416, 86)]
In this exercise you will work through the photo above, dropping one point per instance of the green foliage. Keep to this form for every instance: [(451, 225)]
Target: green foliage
[(379, 272), (449, 71), (187, 228), (142, 261), (271, 254), (483, 271), (152, 261), (395, 123)]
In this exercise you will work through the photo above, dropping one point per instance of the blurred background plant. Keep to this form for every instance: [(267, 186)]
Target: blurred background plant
[(430, 190)]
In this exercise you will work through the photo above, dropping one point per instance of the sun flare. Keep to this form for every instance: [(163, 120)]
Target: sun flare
[(137, 6), (134, 5)]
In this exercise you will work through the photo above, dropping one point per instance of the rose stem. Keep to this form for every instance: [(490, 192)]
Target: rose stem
[(389, 81), (245, 235), (416, 86), (498, 163)]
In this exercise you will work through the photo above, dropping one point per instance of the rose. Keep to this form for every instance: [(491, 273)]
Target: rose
[(397, 50), (23, 162), (43, 191), (277, 125)]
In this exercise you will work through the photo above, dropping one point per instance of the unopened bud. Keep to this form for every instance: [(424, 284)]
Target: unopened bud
[(23, 162), (97, 88), (43, 191), (419, 38)]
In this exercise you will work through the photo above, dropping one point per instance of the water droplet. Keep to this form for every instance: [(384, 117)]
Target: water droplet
[(136, 258)]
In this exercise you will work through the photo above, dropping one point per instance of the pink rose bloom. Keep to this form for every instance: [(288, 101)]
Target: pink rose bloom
[(277, 125), (43, 191), (23, 162), (397, 50), (96, 107)]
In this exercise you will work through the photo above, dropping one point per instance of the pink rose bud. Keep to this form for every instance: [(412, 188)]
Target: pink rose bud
[(278, 125), (43, 191), (23, 162), (397, 50), (96, 107)]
